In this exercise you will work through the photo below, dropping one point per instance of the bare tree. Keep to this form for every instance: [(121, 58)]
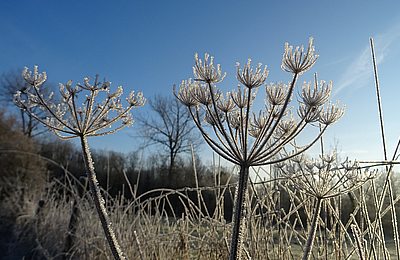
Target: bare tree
[(171, 127), (12, 82)]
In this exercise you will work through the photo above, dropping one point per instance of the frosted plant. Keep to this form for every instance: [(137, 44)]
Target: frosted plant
[(244, 137), (69, 120), (322, 178)]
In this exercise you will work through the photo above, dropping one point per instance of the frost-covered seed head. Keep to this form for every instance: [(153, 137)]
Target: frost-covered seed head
[(204, 96), (226, 104), (206, 71), (241, 96), (286, 127), (331, 113), (136, 100), (35, 79), (309, 114), (66, 118), (314, 94), (322, 178), (276, 93), (186, 92), (297, 61), (249, 77)]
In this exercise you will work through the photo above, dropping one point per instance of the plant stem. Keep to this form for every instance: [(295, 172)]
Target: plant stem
[(238, 216), (73, 223), (388, 181), (313, 229), (99, 201)]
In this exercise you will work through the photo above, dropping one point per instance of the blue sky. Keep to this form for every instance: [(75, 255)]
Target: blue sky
[(149, 46)]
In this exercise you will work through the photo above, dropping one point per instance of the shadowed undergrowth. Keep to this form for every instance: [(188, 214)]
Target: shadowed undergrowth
[(276, 228)]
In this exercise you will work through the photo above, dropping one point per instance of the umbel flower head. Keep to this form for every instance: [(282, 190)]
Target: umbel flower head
[(324, 177), (298, 60), (78, 113), (237, 133), (250, 78), (205, 70), (244, 137)]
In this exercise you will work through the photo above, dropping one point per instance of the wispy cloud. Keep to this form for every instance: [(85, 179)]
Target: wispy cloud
[(359, 73)]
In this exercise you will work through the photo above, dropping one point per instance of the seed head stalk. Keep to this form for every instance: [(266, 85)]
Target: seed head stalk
[(99, 201), (388, 183), (313, 230)]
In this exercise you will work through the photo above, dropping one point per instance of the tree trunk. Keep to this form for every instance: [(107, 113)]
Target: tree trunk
[(238, 217), (171, 164), (99, 201)]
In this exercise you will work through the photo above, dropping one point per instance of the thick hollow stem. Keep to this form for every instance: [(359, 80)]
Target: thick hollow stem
[(313, 230), (239, 213), (99, 201)]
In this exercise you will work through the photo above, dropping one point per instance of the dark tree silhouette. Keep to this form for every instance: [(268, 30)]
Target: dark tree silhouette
[(171, 127)]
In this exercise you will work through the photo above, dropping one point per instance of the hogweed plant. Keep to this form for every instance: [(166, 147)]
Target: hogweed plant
[(322, 179), (66, 119), (246, 138)]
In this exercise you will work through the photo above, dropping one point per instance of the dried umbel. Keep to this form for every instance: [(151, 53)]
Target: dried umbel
[(205, 70), (69, 120), (323, 178), (250, 78), (250, 139), (299, 61)]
